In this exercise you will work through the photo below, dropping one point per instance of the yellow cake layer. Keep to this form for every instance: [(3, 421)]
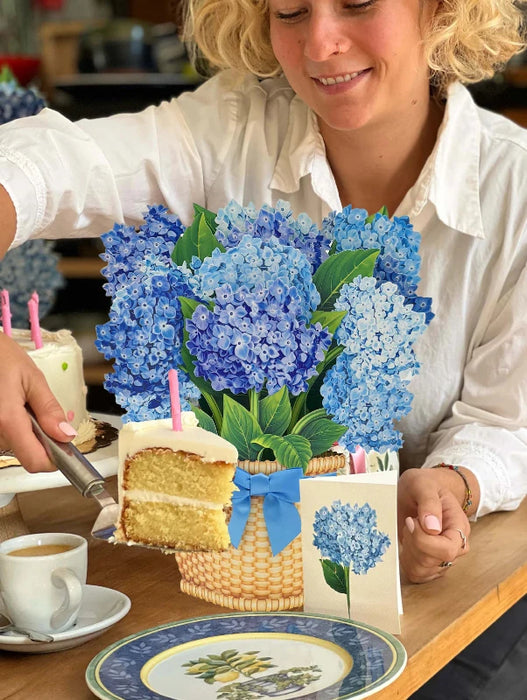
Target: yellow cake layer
[(175, 527), (179, 474)]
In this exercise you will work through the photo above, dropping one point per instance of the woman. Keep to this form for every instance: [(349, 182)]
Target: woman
[(369, 111)]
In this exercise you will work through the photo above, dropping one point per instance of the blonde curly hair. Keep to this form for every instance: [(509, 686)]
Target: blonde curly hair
[(468, 40)]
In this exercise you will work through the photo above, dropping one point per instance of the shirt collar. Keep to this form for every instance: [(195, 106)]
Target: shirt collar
[(449, 179), (304, 153)]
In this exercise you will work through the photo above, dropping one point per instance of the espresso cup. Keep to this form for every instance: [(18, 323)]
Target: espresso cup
[(42, 577)]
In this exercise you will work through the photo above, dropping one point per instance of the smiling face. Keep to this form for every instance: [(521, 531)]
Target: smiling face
[(354, 63)]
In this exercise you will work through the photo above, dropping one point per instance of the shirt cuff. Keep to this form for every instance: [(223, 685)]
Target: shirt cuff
[(25, 185), (487, 467)]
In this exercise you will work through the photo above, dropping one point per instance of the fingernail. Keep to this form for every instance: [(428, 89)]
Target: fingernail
[(432, 523), (409, 522), (67, 429)]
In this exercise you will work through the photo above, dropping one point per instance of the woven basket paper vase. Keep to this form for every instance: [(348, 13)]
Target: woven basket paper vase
[(249, 578)]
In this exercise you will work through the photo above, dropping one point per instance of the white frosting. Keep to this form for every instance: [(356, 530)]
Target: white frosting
[(134, 437), (60, 359), (143, 496)]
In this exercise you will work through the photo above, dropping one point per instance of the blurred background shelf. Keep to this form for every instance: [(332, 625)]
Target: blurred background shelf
[(81, 268)]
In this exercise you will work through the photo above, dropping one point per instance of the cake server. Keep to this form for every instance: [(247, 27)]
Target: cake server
[(86, 479)]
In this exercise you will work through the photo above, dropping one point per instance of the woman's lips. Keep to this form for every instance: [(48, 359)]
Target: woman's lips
[(340, 82)]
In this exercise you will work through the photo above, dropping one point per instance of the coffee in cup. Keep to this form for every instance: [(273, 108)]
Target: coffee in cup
[(42, 550), (42, 577)]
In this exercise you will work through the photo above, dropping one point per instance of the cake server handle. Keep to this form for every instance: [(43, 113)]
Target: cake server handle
[(71, 462)]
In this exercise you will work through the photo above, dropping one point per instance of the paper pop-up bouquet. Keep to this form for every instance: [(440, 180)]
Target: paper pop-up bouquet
[(289, 338)]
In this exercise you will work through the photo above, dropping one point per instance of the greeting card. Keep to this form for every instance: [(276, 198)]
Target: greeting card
[(349, 547)]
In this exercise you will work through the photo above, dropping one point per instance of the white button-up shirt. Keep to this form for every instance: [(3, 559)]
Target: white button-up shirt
[(256, 141)]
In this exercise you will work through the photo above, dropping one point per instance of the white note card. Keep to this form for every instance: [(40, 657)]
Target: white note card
[(350, 549)]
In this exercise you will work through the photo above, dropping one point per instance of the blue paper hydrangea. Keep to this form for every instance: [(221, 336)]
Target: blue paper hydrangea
[(131, 253), (254, 263), (366, 388), (235, 221), (238, 289), (145, 329), (29, 268), (399, 260), (255, 337), (348, 535)]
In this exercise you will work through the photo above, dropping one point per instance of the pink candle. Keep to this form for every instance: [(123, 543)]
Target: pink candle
[(358, 461), (175, 406), (34, 323), (6, 312)]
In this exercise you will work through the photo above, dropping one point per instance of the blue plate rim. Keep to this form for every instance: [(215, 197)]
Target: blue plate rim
[(398, 664)]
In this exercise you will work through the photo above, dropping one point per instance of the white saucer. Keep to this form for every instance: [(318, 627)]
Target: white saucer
[(100, 608)]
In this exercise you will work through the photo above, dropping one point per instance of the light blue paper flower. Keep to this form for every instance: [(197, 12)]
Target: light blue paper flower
[(366, 389)]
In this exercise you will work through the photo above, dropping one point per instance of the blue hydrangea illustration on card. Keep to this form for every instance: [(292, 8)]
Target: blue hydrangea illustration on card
[(349, 546)]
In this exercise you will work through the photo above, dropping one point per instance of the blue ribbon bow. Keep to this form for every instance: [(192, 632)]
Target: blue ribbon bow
[(281, 491)]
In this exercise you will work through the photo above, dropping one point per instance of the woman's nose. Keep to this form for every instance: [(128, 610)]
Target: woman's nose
[(323, 39)]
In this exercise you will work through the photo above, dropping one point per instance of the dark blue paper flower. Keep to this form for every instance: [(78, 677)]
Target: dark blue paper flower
[(131, 253), (256, 337)]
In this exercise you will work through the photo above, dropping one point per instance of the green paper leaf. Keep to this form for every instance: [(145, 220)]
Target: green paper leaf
[(383, 211), (198, 240), (275, 412), (335, 575), (205, 421), (341, 269), (290, 450), (240, 428), (188, 306), (320, 430), (210, 216), (213, 398), (328, 319)]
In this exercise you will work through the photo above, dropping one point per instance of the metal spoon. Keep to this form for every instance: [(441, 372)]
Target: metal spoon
[(7, 626)]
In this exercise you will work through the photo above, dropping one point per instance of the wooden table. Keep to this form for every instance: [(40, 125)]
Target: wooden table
[(439, 620)]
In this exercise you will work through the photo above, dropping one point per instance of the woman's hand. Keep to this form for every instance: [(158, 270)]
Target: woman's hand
[(433, 528), (21, 383)]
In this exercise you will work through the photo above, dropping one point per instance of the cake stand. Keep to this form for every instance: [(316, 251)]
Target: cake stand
[(15, 480)]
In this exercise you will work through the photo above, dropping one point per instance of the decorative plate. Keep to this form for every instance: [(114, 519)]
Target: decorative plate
[(249, 656)]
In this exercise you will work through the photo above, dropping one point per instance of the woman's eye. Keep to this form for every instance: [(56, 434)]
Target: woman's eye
[(289, 16), (360, 5)]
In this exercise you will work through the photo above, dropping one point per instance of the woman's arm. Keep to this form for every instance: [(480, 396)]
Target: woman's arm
[(486, 436), (8, 221)]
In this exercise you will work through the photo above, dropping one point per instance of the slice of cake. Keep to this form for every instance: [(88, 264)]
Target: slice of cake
[(60, 360), (174, 485)]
